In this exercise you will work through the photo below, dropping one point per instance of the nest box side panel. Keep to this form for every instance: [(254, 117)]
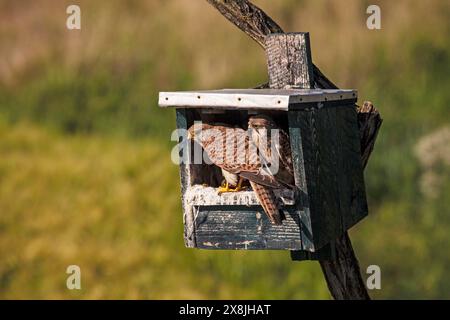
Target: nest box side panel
[(317, 169), (352, 193), (326, 151), (330, 157), (188, 217), (297, 140)]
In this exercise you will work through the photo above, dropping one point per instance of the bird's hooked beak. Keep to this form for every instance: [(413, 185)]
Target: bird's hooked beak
[(260, 121)]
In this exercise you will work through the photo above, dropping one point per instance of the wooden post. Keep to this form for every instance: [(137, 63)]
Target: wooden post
[(289, 61), (342, 274), (289, 65)]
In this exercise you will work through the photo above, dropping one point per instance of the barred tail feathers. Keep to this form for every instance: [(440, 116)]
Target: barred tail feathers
[(268, 201)]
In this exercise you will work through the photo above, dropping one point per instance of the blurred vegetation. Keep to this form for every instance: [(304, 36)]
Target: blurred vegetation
[(85, 171)]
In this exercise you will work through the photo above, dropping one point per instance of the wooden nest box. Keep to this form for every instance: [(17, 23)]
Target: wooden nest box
[(325, 144)]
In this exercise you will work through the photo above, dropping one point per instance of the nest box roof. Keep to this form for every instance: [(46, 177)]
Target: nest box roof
[(272, 99)]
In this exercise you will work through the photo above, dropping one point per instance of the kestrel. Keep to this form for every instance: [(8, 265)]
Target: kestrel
[(237, 153), (232, 183), (264, 132)]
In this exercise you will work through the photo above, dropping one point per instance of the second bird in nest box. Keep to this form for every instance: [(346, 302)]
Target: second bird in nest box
[(261, 155)]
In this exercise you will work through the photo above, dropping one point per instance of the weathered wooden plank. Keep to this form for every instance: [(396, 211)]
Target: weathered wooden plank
[(299, 139), (270, 99), (188, 218), (351, 179), (342, 168), (285, 51), (199, 195), (311, 152), (245, 228), (327, 219)]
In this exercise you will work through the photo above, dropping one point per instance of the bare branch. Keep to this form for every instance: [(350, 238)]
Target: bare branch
[(247, 17)]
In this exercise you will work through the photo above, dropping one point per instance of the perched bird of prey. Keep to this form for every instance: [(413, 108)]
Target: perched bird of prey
[(274, 146), (233, 150), (232, 183)]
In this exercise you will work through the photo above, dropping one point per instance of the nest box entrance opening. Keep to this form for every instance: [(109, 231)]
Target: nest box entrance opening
[(209, 175)]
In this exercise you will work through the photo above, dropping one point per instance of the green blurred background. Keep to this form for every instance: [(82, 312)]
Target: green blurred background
[(85, 170)]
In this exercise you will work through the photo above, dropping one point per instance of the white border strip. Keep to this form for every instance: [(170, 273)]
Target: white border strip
[(251, 99)]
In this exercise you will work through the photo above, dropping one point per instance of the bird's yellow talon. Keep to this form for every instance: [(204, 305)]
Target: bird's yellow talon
[(227, 188), (223, 189)]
